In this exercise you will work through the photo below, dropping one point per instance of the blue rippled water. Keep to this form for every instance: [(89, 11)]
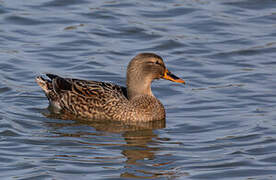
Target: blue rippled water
[(221, 125)]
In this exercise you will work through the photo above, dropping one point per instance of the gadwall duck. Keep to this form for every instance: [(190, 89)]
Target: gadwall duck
[(107, 101)]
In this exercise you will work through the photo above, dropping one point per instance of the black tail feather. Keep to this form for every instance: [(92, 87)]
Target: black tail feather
[(52, 76), (60, 84)]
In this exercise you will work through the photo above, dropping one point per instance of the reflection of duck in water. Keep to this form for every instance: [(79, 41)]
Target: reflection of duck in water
[(101, 100), (136, 148)]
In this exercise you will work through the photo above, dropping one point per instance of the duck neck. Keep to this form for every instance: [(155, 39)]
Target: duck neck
[(138, 87)]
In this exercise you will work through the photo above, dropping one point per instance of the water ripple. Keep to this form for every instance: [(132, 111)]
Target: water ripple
[(220, 125)]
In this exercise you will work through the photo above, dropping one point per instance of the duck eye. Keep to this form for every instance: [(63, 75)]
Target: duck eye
[(157, 62)]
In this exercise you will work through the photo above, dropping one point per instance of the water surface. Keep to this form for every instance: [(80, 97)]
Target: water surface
[(221, 125)]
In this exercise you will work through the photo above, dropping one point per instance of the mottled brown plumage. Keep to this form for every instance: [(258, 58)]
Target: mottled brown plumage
[(107, 101)]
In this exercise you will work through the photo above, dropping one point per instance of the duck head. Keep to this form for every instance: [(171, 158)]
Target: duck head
[(142, 70)]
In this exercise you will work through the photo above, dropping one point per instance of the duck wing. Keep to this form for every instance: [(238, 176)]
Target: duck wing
[(86, 89), (89, 99), (84, 98)]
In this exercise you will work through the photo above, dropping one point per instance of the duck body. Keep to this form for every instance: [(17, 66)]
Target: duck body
[(106, 101), (99, 100)]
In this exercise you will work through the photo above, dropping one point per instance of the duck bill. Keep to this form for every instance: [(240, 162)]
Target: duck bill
[(170, 76)]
